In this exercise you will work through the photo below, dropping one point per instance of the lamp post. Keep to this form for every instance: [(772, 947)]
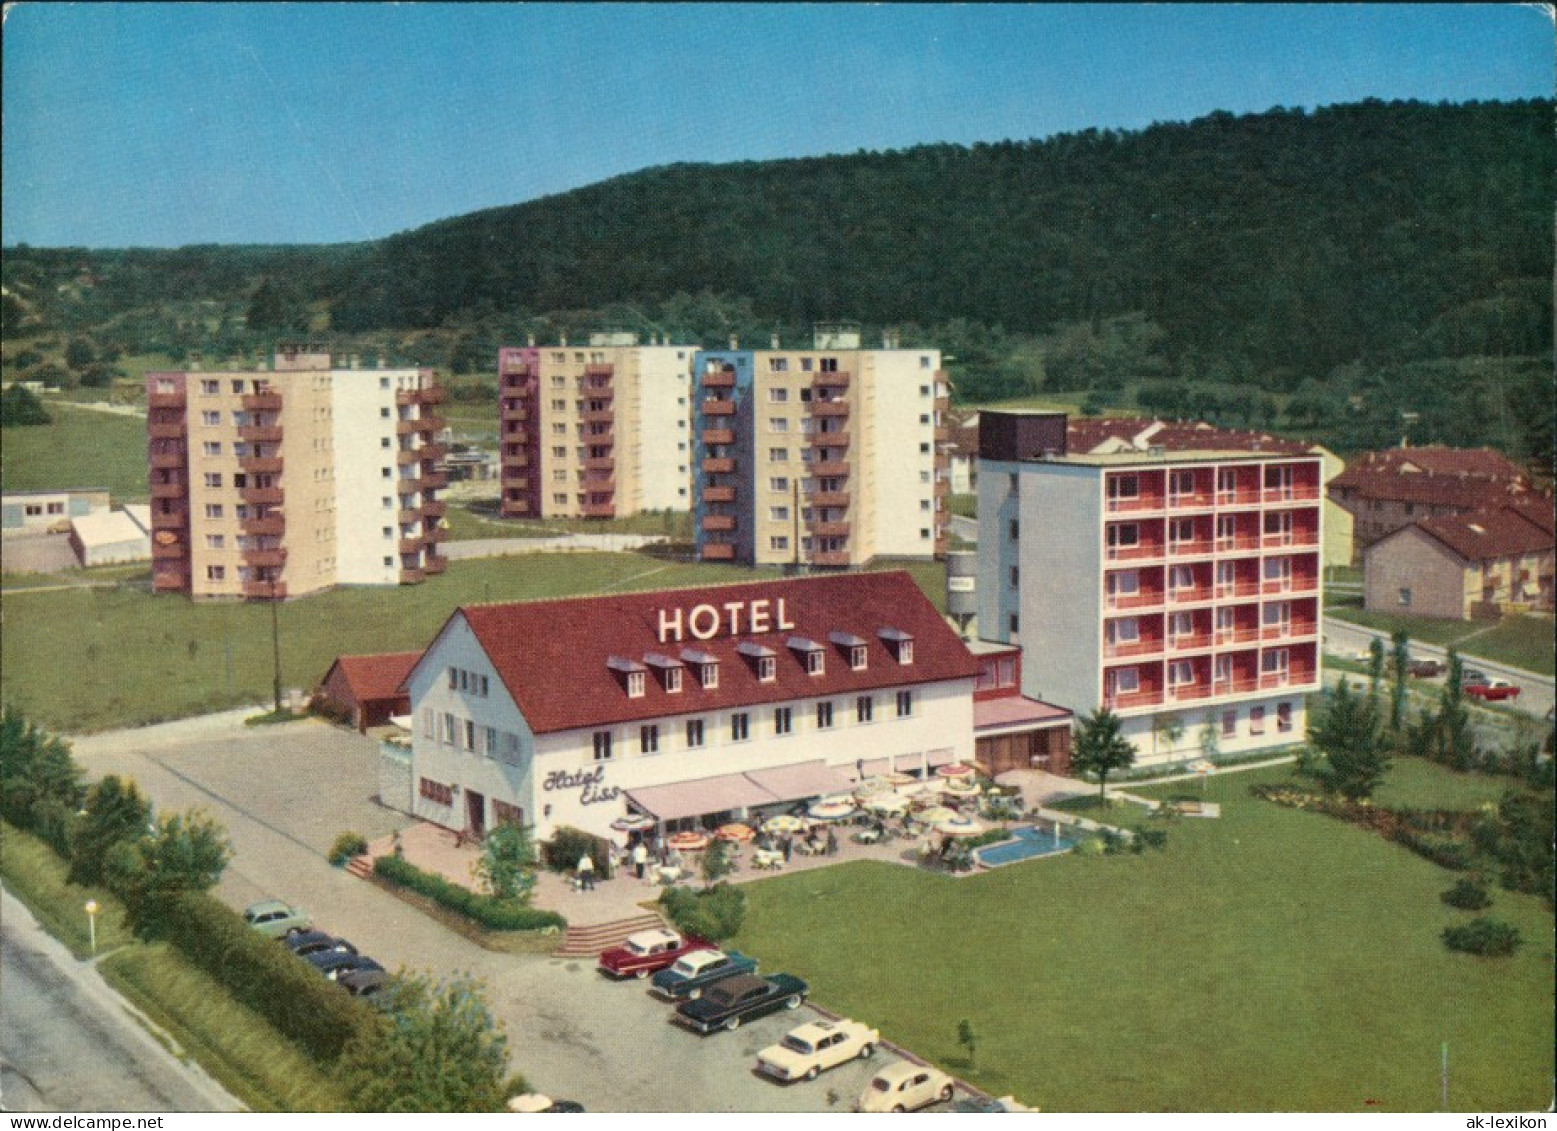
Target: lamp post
[(91, 910), (275, 644)]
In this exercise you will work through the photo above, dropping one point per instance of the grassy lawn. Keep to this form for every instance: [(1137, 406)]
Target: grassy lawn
[(1415, 783), (132, 657), (36, 876), (1268, 960), (81, 448), (479, 519), (965, 505), (1523, 641)]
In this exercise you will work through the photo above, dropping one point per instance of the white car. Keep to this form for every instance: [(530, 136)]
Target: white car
[(905, 1087), (805, 1053)]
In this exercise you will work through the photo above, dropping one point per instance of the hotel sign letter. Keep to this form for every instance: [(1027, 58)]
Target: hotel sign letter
[(733, 618)]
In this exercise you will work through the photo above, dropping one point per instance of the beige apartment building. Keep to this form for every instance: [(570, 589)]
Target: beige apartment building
[(273, 483), (827, 456), (596, 431)]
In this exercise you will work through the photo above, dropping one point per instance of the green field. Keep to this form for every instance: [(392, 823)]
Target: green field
[(81, 448), (1523, 641), (131, 657), (480, 519), (1269, 960)]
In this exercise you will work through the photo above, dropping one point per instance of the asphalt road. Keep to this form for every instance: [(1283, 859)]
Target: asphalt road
[(282, 796), (69, 1044)]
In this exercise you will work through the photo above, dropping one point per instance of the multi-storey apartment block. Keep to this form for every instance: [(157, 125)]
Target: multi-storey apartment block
[(595, 432), (828, 456), (1178, 584), (274, 483)]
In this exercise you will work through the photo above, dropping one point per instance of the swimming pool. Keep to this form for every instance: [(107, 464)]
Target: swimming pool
[(1029, 842)]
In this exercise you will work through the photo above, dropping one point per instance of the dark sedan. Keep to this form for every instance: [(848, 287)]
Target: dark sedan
[(304, 943), (333, 963), (726, 1004)]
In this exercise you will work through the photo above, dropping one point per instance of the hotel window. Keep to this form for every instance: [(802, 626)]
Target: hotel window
[(429, 724), (1275, 663), (824, 715), (489, 741), (778, 542), (694, 733), (783, 720), (1123, 536), (1014, 529), (210, 418), (829, 365), (1126, 630), (1124, 583), (858, 657), (778, 424), (635, 683), (454, 679), (213, 510), (814, 661), (649, 739), (1278, 614), (1181, 577), (672, 680), (210, 388), (1256, 720), (437, 791), (778, 455), (602, 739), (1181, 624), (708, 675), (469, 735), (905, 704), (1015, 576), (1127, 681), (1122, 487), (447, 734), (1283, 717), (864, 709), (213, 479), (1180, 672), (740, 727), (216, 573), (778, 483), (778, 514), (1181, 530), (778, 396), (215, 541), (213, 447), (1229, 724), (1013, 623), (805, 365), (1278, 571), (767, 669), (778, 364)]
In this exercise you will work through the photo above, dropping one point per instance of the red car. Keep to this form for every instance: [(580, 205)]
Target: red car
[(1491, 690), (646, 952)]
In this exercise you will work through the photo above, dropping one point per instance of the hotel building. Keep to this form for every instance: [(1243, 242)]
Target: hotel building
[(1174, 579), (829, 456), (693, 704), (601, 431), (279, 482)]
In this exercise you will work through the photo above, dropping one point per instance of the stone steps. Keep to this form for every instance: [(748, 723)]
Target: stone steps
[(589, 939)]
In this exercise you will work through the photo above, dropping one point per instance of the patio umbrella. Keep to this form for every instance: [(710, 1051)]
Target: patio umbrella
[(871, 787), (687, 841), (891, 804), (962, 787), (633, 823), (832, 808), (956, 770), (899, 778), (736, 833), (935, 814), (784, 823), (957, 825)]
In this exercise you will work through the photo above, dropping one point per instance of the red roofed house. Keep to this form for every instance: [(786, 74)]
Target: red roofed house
[(1464, 565), (1388, 490), (366, 690), (685, 705)]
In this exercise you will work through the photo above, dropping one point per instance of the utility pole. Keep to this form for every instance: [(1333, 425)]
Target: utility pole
[(275, 644)]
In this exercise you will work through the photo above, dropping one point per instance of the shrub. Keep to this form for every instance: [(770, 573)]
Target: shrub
[(1468, 895), (1152, 838), (1491, 938), (714, 914), (561, 853), (347, 846), (263, 975), (495, 914), (1444, 851)]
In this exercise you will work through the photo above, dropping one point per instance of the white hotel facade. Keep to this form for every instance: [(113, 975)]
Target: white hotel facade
[(680, 704)]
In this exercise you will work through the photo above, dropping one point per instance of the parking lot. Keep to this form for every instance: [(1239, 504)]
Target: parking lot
[(284, 792)]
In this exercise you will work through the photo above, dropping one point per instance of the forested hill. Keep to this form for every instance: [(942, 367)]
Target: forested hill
[(1284, 240)]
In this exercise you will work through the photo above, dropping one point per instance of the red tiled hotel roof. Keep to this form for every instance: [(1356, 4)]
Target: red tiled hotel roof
[(377, 676)]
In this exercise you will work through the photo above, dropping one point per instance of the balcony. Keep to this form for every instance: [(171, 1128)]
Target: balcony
[(270, 557), (1238, 590), (265, 590), (719, 494), (512, 507), (419, 426), (435, 533), (434, 508), (941, 433), (430, 395), (166, 431), (1139, 551), (176, 489), (435, 563), (1128, 649), (260, 433), (598, 416), (517, 414), (165, 400), (830, 468), (597, 510), (720, 380), (267, 401), (599, 369), (518, 483), (1287, 539), (599, 463), (1238, 498), (1237, 545), (406, 516), (830, 409), (718, 552), (411, 545), (837, 380), (167, 461), (838, 439), (828, 529), (432, 481), (270, 525), (718, 408), (1288, 629), (718, 523), (512, 463), (1229, 637), (597, 481), (170, 515), (1195, 547), (828, 499), (718, 465), (1190, 595), (1189, 641), (1297, 493), (833, 558), (715, 436), (405, 457), (261, 465), (170, 551), (411, 576), (261, 496), (1185, 692), (1133, 504), (1124, 701)]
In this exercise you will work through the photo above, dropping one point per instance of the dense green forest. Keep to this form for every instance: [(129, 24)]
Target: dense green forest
[(1322, 271)]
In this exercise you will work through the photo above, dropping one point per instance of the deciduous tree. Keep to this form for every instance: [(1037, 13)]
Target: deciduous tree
[(1100, 748)]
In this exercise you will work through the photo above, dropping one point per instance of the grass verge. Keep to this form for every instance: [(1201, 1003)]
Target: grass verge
[(1203, 977), (36, 876)]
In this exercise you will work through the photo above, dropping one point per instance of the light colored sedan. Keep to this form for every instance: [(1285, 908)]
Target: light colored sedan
[(906, 1087), (277, 919), (805, 1053)]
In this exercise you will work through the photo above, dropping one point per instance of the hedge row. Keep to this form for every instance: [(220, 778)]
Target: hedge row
[(497, 914), (262, 974)]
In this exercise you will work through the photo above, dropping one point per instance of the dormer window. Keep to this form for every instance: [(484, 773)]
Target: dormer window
[(631, 673), (857, 658), (764, 660), (669, 669), (856, 648), (810, 654), (672, 680), (900, 643), (767, 669), (707, 667)]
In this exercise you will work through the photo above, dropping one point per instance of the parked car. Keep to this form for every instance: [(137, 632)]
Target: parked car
[(691, 974), (304, 943), (333, 963), (905, 1087), (1490, 690), (363, 983), (1426, 668), (991, 1107), (647, 952), (726, 1004), (805, 1053), (276, 918), (535, 1102)]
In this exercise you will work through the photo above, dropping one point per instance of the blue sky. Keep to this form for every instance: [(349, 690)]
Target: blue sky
[(147, 124)]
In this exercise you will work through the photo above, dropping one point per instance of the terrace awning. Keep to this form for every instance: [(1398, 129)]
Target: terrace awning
[(700, 796), (801, 780)]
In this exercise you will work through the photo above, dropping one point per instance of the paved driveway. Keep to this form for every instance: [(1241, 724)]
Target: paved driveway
[(283, 793)]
